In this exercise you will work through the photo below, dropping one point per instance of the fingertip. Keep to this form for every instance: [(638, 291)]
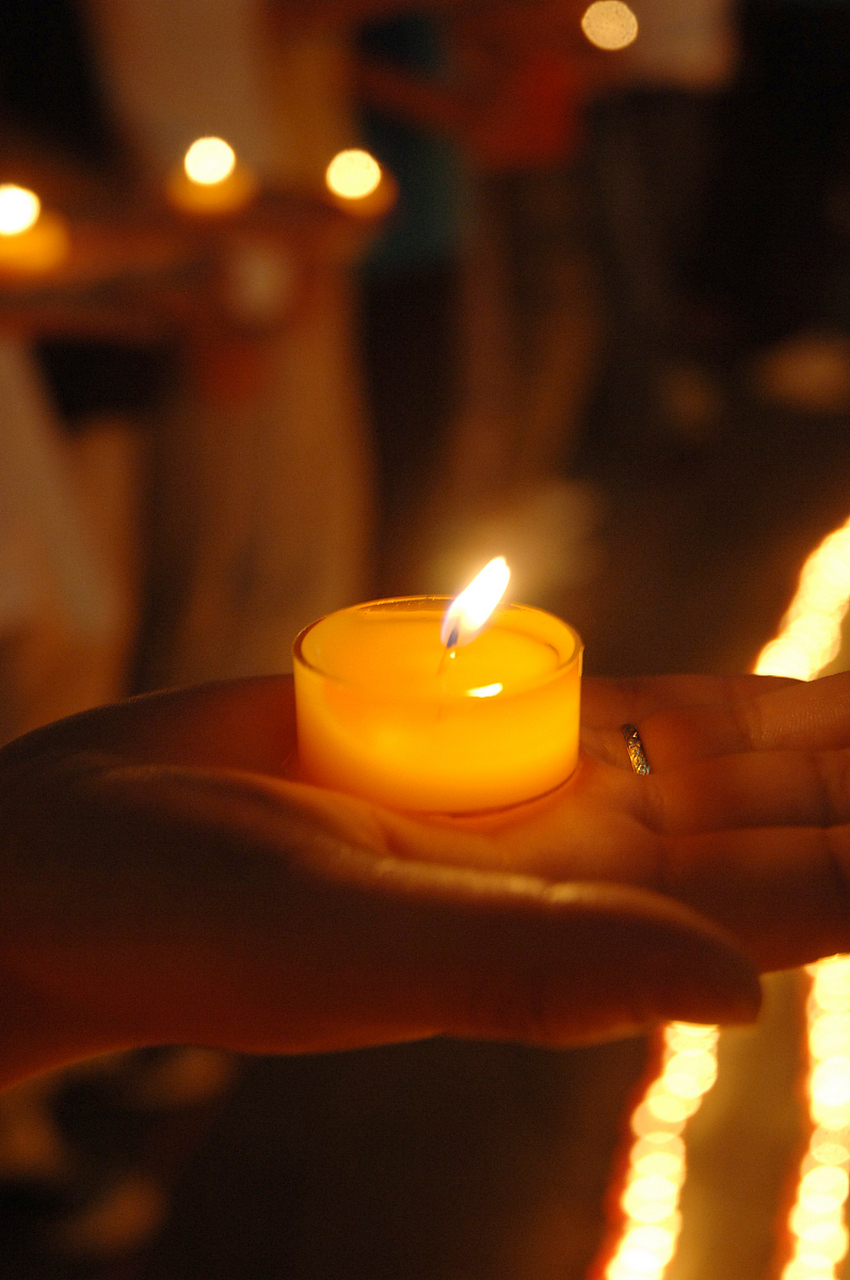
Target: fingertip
[(726, 991), (682, 966)]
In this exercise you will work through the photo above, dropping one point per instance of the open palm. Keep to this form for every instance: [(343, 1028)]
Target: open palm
[(745, 816), (164, 881)]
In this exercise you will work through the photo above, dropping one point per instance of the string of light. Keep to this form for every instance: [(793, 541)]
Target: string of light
[(816, 1221), (656, 1168), (808, 639)]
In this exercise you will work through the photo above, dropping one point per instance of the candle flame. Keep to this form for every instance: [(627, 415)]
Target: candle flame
[(19, 209), (468, 613), (209, 161), (610, 25), (353, 174)]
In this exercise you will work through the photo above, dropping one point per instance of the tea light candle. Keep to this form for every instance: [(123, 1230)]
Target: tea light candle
[(357, 183), (485, 717), (32, 240), (211, 180)]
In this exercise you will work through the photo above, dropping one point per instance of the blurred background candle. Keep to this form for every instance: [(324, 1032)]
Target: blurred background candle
[(31, 240), (357, 183), (211, 179), (388, 712)]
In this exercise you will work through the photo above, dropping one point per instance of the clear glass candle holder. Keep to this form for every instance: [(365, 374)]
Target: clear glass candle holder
[(385, 712)]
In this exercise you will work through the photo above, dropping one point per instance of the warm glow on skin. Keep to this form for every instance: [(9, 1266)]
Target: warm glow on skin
[(209, 161), (610, 25), (19, 209), (353, 174), (810, 633)]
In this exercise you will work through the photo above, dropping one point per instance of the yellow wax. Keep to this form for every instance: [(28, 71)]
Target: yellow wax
[(386, 713)]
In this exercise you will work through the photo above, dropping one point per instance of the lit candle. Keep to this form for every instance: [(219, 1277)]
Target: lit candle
[(358, 184), (610, 25), (422, 707), (211, 180), (31, 240)]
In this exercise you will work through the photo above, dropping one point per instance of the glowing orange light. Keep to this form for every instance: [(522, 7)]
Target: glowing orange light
[(211, 181), (209, 161), (485, 691), (19, 209), (32, 241), (657, 1168), (610, 25), (353, 174)]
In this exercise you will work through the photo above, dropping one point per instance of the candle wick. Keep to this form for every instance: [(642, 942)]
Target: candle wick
[(449, 648)]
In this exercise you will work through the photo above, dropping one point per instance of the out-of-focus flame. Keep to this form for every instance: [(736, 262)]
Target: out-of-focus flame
[(209, 161), (816, 1220), (610, 25), (19, 209), (809, 638), (353, 174), (656, 1172), (810, 633), (468, 613)]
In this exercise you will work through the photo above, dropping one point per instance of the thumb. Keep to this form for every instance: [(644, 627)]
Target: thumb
[(327, 940), (193, 906), (494, 956)]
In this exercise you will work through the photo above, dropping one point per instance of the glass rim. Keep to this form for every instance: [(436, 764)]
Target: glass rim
[(440, 604)]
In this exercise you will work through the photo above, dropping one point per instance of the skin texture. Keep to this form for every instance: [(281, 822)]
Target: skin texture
[(164, 882)]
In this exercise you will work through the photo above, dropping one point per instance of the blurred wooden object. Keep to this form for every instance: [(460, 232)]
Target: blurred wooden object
[(68, 597)]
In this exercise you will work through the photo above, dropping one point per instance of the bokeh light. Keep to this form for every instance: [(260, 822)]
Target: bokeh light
[(353, 174), (19, 209), (209, 161), (808, 640), (610, 25), (810, 632), (656, 1170), (816, 1221)]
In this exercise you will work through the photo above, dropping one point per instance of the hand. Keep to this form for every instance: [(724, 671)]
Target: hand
[(162, 882), (744, 816)]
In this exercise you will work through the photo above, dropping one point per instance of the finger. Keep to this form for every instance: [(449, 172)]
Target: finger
[(399, 948), (782, 892), (574, 963), (763, 789), (787, 716), (232, 918), (609, 703), (511, 959), (238, 724)]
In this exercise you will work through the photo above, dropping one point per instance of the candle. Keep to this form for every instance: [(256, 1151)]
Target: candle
[(211, 180), (31, 240), (358, 184), (389, 711)]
